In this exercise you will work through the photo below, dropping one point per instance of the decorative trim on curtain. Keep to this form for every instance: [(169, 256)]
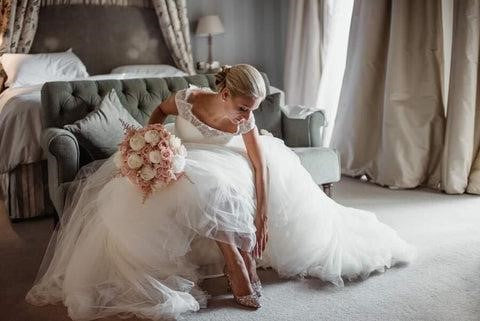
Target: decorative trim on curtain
[(390, 123), (461, 157), (172, 16), (124, 3), (18, 24)]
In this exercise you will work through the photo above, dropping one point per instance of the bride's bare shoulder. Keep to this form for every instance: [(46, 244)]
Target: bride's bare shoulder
[(192, 94), (169, 106), (198, 96)]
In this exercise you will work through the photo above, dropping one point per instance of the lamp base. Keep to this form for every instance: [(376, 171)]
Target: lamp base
[(210, 55), (205, 67)]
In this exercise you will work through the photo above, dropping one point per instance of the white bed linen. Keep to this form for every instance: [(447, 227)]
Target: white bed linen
[(32, 69), (20, 127)]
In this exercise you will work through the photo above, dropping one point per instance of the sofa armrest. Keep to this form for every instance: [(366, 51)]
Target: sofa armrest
[(307, 132), (63, 158)]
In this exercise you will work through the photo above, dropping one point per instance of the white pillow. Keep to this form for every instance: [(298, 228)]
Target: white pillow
[(33, 69), (149, 70)]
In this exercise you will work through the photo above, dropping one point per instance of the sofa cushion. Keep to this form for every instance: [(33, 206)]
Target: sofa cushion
[(268, 115), (322, 163), (100, 132)]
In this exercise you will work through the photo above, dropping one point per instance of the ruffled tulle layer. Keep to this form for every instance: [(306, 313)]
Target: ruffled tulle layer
[(114, 254)]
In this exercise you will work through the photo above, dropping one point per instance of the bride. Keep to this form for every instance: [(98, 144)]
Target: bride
[(249, 194)]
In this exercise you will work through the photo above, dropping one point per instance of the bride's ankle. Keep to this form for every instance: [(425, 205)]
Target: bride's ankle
[(239, 278), (251, 266)]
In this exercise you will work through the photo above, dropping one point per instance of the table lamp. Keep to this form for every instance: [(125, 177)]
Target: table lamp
[(209, 26)]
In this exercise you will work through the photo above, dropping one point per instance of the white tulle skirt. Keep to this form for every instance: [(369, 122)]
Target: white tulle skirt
[(114, 254)]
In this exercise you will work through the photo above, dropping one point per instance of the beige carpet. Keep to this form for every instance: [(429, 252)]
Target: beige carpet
[(443, 284)]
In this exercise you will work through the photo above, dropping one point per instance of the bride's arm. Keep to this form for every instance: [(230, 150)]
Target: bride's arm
[(167, 107), (255, 153)]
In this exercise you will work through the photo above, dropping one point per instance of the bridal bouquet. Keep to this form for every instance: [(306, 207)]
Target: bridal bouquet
[(150, 157)]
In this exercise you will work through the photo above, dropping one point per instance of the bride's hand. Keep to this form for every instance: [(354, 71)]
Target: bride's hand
[(261, 234)]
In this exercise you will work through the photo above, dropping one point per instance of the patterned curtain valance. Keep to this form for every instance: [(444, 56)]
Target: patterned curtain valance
[(173, 19), (18, 24), (125, 3)]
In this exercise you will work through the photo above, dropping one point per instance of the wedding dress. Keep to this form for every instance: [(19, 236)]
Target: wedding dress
[(114, 254)]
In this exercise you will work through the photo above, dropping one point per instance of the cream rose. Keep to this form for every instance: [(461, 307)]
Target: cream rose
[(155, 157), (178, 164), (137, 142), (134, 161), (182, 151), (175, 142), (147, 173), (152, 137)]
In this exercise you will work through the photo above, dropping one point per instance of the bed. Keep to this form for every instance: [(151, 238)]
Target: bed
[(103, 38)]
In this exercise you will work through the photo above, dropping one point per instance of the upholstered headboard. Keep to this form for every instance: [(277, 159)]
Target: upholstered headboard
[(104, 37)]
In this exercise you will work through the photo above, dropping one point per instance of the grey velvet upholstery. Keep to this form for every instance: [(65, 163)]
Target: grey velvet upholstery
[(65, 102), (63, 159), (304, 132), (321, 163)]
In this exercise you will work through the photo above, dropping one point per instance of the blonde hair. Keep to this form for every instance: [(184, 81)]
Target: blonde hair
[(241, 80)]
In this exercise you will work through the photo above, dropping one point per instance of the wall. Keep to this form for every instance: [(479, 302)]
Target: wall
[(255, 33)]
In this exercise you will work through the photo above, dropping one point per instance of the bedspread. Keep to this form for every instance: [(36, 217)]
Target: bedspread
[(20, 127)]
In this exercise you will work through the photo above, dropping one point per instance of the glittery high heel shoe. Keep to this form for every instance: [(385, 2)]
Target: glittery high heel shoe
[(256, 286), (249, 300)]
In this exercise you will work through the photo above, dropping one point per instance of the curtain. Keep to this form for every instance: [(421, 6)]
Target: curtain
[(316, 51), (123, 3), (390, 121), (461, 158), (172, 16), (18, 24), (336, 18), (303, 59)]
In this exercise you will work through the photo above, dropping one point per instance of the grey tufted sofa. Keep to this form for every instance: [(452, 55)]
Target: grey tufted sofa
[(65, 102)]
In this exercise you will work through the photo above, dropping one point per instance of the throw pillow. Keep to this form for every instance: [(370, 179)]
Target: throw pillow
[(100, 132), (34, 69)]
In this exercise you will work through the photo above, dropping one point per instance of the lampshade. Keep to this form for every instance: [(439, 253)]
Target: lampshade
[(209, 25)]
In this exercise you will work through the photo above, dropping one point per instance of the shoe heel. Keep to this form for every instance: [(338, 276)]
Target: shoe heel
[(256, 286), (250, 300)]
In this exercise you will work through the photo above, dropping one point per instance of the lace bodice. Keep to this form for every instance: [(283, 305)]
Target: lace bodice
[(207, 133)]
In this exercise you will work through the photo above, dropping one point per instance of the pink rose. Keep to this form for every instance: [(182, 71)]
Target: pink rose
[(163, 144), (166, 154)]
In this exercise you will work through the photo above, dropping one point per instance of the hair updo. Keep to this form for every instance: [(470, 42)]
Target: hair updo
[(241, 80)]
